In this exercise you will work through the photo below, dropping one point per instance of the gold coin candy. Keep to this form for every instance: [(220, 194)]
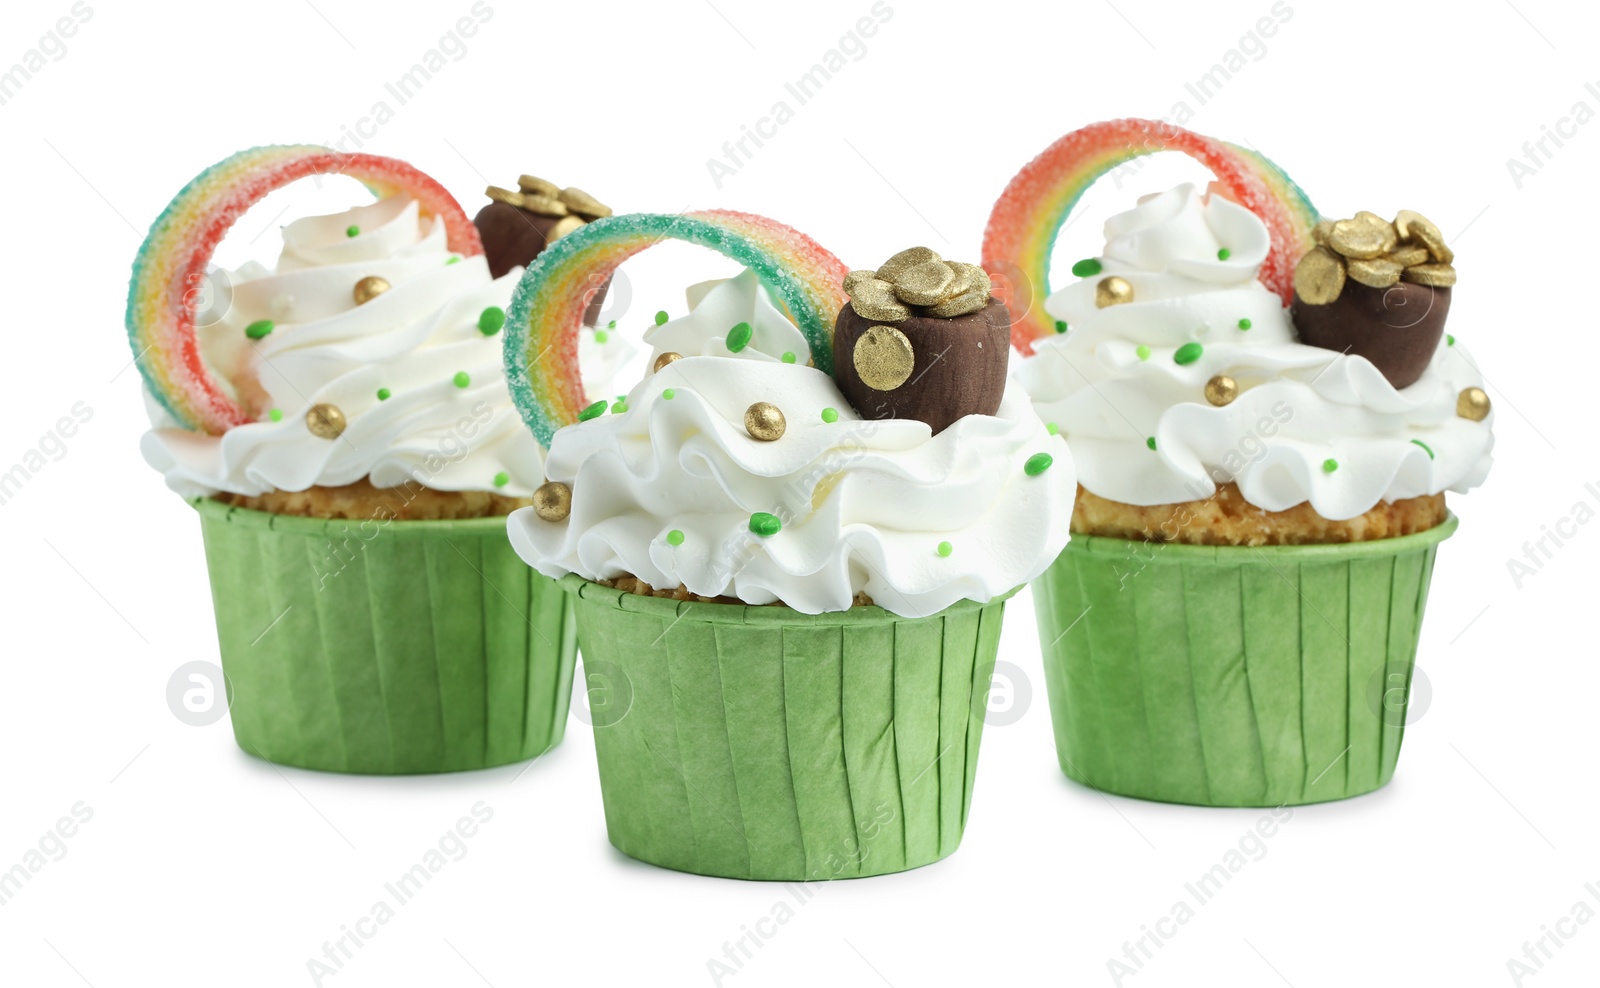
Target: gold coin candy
[(883, 357), (917, 278), (1372, 251)]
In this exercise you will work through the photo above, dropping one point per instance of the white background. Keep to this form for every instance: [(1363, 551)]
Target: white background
[(202, 866)]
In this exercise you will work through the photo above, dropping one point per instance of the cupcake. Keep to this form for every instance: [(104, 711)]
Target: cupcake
[(341, 423), (1266, 413), (789, 550)]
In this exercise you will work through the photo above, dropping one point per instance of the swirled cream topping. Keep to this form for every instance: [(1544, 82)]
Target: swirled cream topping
[(1126, 384), (672, 488), (421, 386)]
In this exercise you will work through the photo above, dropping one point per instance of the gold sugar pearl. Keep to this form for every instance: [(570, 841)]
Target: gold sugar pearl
[(1472, 404), (883, 357), (764, 421), (552, 501), (1221, 390), (1112, 291), (326, 421), (666, 358), (369, 288)]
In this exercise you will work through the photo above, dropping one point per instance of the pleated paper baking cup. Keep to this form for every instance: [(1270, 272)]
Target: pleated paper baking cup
[(386, 649), (1233, 676), (763, 743)]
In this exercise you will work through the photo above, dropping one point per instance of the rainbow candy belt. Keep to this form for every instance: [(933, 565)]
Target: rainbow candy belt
[(170, 269), (1031, 211), (541, 345)]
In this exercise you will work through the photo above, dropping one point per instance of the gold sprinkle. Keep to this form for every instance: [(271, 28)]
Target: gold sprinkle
[(369, 288), (667, 358), (883, 357), (1319, 277), (563, 226), (506, 196), (552, 501), (326, 421), (1472, 404), (764, 421), (1112, 291), (1221, 390)]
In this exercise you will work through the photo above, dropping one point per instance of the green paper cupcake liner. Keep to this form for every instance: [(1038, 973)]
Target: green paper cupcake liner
[(1230, 676), (762, 743), (386, 649)]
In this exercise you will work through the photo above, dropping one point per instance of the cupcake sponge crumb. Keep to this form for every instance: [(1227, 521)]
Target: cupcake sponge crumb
[(632, 584), (1226, 518), (361, 500)]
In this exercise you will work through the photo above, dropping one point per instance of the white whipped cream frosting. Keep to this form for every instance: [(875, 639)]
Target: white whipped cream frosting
[(864, 504), (1299, 406), (411, 340)]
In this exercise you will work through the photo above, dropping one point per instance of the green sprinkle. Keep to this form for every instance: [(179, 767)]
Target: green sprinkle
[(462, 379), (275, 414), (352, 230), (1061, 325), (1424, 447), (1245, 324), (258, 329), (1086, 268), (454, 259), (1143, 351), (788, 357), (1151, 442), (491, 320), (674, 537), (600, 336), (384, 393), (612, 324), (945, 548), (1188, 353), (661, 317), (1450, 339), (1051, 428), (593, 411), (830, 415), (669, 394), (765, 524), (739, 337), (1330, 465), (502, 478), (1037, 463), (1224, 254), (619, 408)]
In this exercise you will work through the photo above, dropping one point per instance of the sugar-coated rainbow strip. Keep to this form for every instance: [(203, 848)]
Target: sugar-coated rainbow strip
[(541, 345), (171, 266), (1031, 211)]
